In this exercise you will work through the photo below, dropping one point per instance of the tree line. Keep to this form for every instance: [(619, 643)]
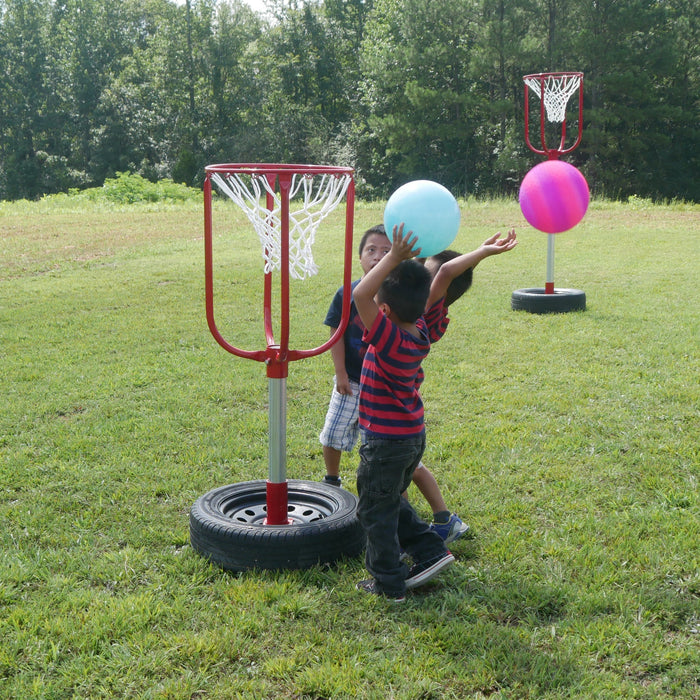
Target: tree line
[(398, 89)]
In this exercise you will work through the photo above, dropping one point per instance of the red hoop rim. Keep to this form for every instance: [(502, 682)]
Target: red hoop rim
[(554, 74), (271, 168), (541, 78)]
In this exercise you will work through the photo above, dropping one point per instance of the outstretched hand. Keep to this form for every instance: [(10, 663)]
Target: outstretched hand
[(403, 246), (495, 244)]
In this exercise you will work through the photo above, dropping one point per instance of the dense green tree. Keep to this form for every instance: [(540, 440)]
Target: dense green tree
[(420, 110), (131, 129), (305, 93), (503, 52), (401, 89), (24, 40), (89, 38), (630, 53), (233, 130)]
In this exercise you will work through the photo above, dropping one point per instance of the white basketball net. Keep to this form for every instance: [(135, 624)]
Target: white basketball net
[(321, 195), (555, 91)]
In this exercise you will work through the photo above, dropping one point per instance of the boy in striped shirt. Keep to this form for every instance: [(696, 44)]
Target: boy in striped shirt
[(391, 300)]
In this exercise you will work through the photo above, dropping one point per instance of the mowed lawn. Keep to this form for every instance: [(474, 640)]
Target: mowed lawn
[(568, 442)]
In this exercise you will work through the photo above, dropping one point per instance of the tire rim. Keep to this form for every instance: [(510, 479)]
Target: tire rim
[(251, 508)]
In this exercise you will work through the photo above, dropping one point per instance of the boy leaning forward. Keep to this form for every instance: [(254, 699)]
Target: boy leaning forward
[(391, 300)]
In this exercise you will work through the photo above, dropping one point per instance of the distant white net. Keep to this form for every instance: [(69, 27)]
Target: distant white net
[(317, 196), (555, 91)]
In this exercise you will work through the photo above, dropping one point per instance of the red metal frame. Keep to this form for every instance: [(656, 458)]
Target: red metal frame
[(277, 355), (551, 153)]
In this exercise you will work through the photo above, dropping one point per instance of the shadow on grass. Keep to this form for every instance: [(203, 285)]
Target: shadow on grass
[(502, 634)]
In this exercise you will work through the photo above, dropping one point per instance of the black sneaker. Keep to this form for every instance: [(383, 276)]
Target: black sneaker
[(423, 571), (332, 480), (369, 585)]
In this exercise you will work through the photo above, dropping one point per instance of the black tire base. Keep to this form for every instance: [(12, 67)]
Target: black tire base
[(227, 527), (536, 301)]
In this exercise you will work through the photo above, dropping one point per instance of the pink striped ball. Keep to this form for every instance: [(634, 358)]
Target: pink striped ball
[(554, 196)]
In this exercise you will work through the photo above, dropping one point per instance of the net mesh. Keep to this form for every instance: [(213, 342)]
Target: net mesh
[(314, 197), (555, 91)]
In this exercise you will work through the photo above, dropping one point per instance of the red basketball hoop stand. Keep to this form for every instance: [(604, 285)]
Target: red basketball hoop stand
[(553, 91), (277, 355)]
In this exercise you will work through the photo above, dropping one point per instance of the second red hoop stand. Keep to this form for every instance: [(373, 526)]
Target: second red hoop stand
[(554, 195)]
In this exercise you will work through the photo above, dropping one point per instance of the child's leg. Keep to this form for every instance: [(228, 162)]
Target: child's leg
[(331, 457), (427, 484), (416, 536), (341, 429), (385, 467), (447, 524)]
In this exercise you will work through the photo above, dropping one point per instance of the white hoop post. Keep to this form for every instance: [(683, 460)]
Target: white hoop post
[(549, 282)]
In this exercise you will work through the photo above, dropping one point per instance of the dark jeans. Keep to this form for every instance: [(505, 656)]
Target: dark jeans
[(389, 521)]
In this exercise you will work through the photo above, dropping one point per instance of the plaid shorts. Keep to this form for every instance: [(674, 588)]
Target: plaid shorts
[(342, 429)]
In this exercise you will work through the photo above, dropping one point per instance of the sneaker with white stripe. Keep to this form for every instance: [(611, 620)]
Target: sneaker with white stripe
[(423, 571)]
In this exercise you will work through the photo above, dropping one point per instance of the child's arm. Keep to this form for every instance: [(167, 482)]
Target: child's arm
[(401, 249), (342, 381), (453, 268)]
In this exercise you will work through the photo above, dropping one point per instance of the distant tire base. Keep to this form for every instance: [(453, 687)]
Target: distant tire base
[(536, 301), (227, 527)]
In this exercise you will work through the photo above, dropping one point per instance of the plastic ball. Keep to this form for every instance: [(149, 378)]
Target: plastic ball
[(428, 210), (554, 196)]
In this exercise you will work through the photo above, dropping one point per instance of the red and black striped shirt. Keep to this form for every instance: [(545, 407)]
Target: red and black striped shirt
[(390, 401)]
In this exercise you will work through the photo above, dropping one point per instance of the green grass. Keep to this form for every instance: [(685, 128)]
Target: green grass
[(568, 442)]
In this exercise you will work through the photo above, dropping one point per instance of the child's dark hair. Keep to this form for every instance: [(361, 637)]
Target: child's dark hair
[(459, 284), (405, 290), (379, 229)]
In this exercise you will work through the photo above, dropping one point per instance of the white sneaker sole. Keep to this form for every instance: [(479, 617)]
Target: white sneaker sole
[(457, 533), (425, 575)]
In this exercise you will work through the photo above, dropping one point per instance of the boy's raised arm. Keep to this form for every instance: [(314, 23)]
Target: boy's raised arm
[(453, 268), (367, 288)]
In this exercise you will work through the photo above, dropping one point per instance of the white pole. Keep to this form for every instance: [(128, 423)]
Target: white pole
[(549, 286), (277, 440)]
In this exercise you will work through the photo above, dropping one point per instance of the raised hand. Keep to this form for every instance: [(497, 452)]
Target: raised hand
[(403, 246), (495, 244)]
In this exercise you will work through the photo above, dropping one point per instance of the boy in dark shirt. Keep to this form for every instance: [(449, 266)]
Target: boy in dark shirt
[(341, 428)]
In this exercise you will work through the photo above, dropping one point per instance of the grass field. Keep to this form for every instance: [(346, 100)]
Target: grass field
[(568, 442)]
